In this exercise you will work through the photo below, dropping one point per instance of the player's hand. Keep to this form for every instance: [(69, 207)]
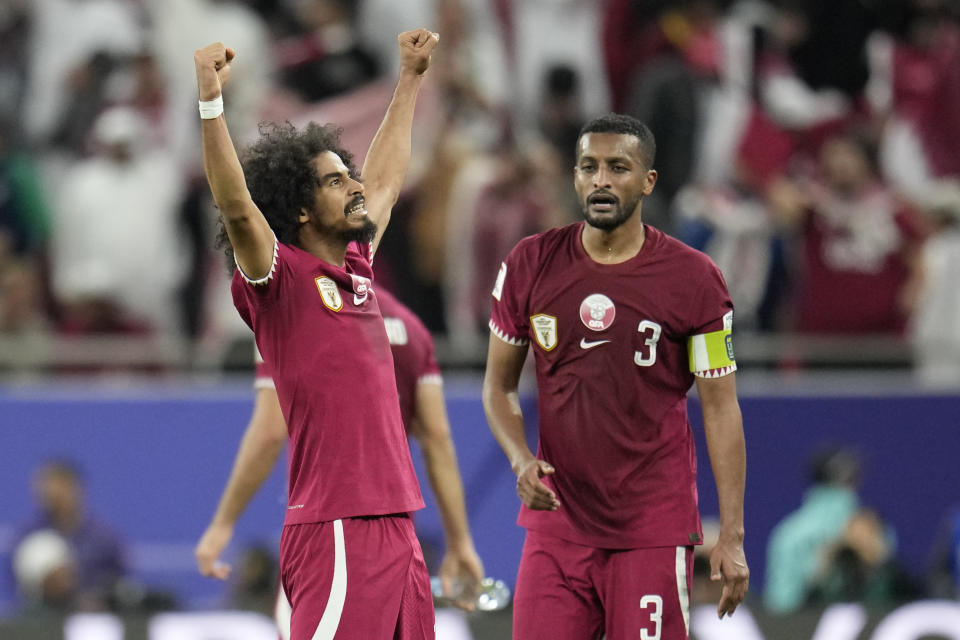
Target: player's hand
[(415, 49), (532, 491), (212, 543), (213, 69), (729, 565), (460, 574)]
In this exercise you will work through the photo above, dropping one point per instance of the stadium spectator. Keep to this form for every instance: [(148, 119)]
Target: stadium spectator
[(862, 566), (802, 538), (92, 550), (614, 468), (296, 209), (860, 245), (935, 329), (103, 277)]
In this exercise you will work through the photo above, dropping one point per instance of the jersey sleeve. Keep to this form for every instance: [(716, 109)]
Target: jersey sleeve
[(250, 294), (710, 343), (508, 313), (428, 371)]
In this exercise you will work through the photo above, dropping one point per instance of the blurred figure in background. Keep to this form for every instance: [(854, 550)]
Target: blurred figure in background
[(861, 566), (799, 542), (104, 278), (935, 327), (92, 550), (859, 243), (45, 570)]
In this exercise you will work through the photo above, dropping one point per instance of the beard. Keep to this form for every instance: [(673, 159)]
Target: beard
[(611, 221), (363, 234)]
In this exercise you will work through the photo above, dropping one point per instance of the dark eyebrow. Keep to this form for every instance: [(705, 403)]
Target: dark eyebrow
[(332, 174)]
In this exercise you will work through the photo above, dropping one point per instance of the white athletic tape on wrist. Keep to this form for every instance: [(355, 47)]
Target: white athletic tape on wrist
[(211, 108)]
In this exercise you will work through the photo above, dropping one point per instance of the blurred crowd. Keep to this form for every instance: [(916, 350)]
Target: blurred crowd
[(810, 147)]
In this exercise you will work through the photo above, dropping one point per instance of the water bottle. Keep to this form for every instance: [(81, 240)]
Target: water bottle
[(492, 595)]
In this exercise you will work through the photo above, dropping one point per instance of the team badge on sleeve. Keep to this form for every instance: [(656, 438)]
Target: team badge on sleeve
[(329, 293), (544, 329), (498, 287), (597, 312)]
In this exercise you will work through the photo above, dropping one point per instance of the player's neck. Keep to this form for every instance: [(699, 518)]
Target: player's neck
[(616, 246), (331, 250)]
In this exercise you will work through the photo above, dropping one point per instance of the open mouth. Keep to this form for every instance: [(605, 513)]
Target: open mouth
[(355, 208), (601, 201)]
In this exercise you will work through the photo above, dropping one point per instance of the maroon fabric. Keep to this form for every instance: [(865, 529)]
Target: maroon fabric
[(565, 590), (612, 392), (334, 377), (855, 264), (387, 583)]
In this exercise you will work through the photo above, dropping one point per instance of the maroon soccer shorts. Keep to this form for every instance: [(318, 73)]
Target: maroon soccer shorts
[(566, 591), (356, 579)]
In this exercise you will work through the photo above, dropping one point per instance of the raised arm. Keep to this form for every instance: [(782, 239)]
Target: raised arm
[(261, 446), (249, 233), (723, 425), (501, 402), (431, 429), (388, 158)]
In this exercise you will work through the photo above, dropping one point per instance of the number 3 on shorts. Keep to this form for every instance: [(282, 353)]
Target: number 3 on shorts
[(657, 603)]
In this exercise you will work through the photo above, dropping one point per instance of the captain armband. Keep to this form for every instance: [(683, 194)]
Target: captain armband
[(711, 354)]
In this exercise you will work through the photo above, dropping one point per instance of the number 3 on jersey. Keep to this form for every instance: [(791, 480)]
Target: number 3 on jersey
[(647, 354), (655, 603)]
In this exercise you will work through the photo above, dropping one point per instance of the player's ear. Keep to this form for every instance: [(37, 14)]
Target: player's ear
[(304, 216)]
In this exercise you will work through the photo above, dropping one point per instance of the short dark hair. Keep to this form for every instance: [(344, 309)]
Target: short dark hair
[(626, 125), (282, 177)]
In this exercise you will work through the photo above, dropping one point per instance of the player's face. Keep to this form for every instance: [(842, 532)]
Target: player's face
[(339, 205), (611, 178)]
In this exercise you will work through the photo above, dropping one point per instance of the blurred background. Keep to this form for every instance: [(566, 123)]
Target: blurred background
[(810, 147)]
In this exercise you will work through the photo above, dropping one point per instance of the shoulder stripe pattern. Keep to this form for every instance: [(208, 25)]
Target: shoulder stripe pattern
[(497, 331), (273, 267)]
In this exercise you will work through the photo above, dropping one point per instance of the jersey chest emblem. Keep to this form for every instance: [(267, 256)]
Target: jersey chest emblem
[(361, 289), (544, 330), (329, 293), (597, 312)]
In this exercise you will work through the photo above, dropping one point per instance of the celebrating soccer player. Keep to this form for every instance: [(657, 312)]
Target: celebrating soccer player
[(622, 319), (303, 229)]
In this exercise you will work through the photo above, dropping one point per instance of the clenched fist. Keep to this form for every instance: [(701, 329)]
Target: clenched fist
[(213, 69), (415, 49)]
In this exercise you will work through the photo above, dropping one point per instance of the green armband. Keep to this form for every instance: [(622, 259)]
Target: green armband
[(711, 354)]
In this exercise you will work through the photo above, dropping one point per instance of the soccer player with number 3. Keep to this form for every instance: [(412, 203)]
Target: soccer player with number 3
[(622, 320)]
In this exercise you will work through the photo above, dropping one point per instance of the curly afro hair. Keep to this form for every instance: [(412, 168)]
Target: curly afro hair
[(282, 178)]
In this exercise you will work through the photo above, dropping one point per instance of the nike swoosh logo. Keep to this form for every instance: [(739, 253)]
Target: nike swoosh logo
[(359, 300), (590, 345)]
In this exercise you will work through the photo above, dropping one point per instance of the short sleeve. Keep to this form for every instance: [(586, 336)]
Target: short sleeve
[(710, 344), (251, 294), (508, 317)]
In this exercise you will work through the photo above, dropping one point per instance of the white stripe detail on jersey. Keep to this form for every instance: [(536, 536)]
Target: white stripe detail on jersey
[(682, 591), (716, 373), (497, 331), (327, 628), (430, 378), (273, 266), (701, 358), (282, 613)]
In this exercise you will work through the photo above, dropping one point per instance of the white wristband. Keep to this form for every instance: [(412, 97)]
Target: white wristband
[(211, 108)]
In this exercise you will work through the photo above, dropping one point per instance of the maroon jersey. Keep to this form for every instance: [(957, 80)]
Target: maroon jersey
[(613, 371), (414, 356), (319, 327)]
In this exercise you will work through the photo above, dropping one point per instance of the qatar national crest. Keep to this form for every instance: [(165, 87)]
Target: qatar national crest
[(597, 312)]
